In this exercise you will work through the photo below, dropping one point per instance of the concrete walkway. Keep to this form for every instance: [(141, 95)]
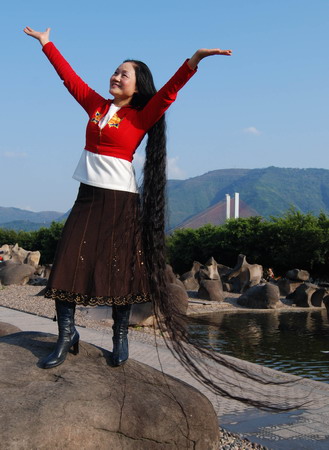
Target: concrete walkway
[(301, 429)]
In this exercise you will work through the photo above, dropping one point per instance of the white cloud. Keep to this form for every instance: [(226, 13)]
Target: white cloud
[(16, 155), (174, 171), (139, 161), (251, 130)]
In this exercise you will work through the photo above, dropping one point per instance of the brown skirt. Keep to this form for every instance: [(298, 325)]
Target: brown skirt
[(99, 259)]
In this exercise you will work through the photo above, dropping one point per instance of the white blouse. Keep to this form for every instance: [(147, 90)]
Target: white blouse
[(103, 171)]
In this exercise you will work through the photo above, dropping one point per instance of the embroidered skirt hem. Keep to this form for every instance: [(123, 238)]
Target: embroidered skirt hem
[(86, 300)]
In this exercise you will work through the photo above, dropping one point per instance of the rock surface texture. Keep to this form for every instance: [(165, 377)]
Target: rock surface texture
[(266, 296), (85, 403), (15, 273), (7, 328)]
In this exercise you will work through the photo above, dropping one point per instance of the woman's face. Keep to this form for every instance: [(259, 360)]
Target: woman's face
[(123, 84)]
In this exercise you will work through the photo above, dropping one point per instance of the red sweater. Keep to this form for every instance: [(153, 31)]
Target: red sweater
[(121, 137)]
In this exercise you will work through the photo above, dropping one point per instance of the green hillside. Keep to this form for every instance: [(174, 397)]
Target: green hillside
[(270, 191), (189, 197), (24, 225)]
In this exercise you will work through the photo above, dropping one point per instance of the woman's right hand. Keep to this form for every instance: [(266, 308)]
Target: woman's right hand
[(41, 36)]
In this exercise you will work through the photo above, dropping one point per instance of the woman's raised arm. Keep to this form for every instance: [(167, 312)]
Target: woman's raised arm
[(204, 53), (87, 97), (41, 36)]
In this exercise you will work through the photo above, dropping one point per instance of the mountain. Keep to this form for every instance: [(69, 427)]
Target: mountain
[(193, 202), (21, 219), (13, 214), (269, 192)]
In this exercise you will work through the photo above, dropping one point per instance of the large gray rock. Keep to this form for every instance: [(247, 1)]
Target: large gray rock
[(298, 275), (326, 304), (302, 296), (189, 278), (17, 254), (266, 296), (15, 273), (318, 296), (7, 328), (172, 277), (86, 404), (287, 287), (211, 290), (143, 314)]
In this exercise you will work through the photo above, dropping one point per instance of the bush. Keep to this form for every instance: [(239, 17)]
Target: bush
[(295, 240), (45, 240)]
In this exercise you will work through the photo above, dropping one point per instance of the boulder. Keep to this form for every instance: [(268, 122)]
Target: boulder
[(211, 290), (326, 304), (15, 273), (298, 275), (302, 296), (38, 281), (86, 404), (33, 259), (228, 287), (7, 328), (44, 271), (190, 283), (17, 254), (223, 270), (287, 287), (189, 278), (266, 296), (172, 278), (142, 314), (318, 296)]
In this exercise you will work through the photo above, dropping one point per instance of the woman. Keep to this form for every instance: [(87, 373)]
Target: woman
[(111, 253), (107, 255)]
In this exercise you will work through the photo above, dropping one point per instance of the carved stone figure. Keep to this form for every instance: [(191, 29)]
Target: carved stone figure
[(244, 275)]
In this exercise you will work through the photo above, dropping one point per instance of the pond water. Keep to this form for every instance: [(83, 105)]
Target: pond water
[(293, 342)]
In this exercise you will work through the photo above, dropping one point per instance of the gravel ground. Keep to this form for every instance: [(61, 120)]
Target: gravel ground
[(29, 299)]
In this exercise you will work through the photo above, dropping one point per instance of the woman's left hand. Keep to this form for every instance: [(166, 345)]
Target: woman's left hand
[(204, 53)]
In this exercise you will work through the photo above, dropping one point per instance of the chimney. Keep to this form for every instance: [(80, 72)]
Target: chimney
[(228, 206), (236, 205)]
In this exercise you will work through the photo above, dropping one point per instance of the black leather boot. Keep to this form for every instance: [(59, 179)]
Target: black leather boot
[(67, 335), (120, 315)]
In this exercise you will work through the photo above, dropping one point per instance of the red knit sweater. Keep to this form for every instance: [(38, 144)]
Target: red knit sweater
[(122, 135)]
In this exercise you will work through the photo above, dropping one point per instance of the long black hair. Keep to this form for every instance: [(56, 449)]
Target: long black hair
[(197, 360)]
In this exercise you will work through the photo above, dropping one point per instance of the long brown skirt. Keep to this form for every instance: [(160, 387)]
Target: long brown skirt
[(99, 259)]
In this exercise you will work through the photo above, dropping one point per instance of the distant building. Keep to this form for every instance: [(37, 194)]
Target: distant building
[(216, 214)]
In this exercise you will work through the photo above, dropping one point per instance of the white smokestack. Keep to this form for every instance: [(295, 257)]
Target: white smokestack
[(228, 206), (236, 205)]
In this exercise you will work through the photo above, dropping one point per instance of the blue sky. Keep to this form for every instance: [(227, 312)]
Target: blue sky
[(267, 105)]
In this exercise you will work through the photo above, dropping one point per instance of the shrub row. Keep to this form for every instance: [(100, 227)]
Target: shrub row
[(295, 240), (45, 240)]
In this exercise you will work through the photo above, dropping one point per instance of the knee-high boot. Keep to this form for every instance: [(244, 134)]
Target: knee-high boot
[(67, 335), (120, 315)]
